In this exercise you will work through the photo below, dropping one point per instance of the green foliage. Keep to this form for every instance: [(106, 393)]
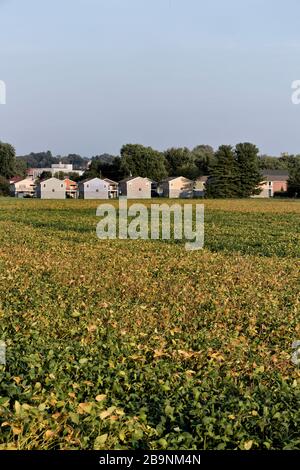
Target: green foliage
[(4, 186), (7, 160), (224, 176), (294, 181), (137, 160), (147, 346), (250, 176)]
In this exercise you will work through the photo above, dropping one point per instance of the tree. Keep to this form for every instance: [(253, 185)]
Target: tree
[(250, 177), (20, 167), (178, 161), (137, 160), (294, 182), (7, 160), (203, 156), (103, 169), (4, 186), (224, 178), (45, 175)]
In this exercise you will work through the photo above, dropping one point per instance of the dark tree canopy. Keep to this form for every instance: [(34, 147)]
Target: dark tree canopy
[(250, 176), (137, 160), (7, 160)]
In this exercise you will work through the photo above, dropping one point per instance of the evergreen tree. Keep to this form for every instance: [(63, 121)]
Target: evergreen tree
[(294, 182), (224, 178), (250, 176)]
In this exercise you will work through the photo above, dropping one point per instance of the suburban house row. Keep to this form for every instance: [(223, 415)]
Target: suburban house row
[(135, 187)]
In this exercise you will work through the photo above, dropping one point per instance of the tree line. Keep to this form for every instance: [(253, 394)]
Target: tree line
[(233, 171)]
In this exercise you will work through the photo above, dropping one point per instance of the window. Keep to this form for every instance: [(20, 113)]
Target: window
[(61, 185), (270, 183), (97, 190), (87, 185), (270, 192), (140, 189), (53, 190)]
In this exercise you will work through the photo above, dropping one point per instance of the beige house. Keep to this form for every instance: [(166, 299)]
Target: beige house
[(23, 188), (93, 188), (52, 188), (274, 181), (177, 187), (113, 188), (135, 187)]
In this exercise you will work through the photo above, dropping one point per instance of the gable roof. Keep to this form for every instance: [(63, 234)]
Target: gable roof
[(275, 175), (130, 178), (171, 178)]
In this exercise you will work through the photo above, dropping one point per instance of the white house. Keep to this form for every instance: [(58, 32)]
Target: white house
[(113, 188), (177, 187), (94, 188), (135, 187), (52, 188), (23, 188)]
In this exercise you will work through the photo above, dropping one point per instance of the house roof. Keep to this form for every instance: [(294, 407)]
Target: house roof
[(275, 175), (109, 181), (16, 179), (171, 178), (130, 178)]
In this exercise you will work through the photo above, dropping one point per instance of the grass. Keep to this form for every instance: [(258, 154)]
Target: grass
[(127, 344)]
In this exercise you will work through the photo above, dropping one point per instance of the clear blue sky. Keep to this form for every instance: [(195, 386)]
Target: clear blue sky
[(86, 76)]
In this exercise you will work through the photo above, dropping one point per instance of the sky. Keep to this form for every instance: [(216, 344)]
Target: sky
[(87, 76)]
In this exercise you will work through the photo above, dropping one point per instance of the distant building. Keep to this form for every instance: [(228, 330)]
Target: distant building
[(94, 188), (274, 181), (22, 187), (66, 168), (135, 187), (113, 188), (52, 188), (177, 187), (71, 189)]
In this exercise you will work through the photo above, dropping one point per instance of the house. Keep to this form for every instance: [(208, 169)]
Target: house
[(113, 188), (71, 189), (135, 187), (177, 187), (274, 181), (94, 188), (20, 187), (199, 186), (52, 188)]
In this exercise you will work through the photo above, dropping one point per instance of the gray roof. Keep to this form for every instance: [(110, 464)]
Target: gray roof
[(276, 175)]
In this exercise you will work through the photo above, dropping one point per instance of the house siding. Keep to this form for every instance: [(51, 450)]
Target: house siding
[(94, 189), (136, 188)]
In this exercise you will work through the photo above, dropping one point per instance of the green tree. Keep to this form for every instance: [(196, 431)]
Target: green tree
[(250, 176), (7, 160), (224, 177), (294, 182), (4, 186), (137, 160), (179, 161), (203, 156)]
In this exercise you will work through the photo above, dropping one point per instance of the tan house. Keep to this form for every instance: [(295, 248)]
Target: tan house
[(112, 188), (52, 188), (176, 187), (274, 181), (135, 187), (93, 188), (23, 188)]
